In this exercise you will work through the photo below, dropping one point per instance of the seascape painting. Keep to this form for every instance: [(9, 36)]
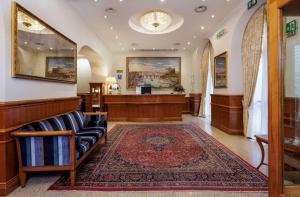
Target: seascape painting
[(61, 68), (157, 72)]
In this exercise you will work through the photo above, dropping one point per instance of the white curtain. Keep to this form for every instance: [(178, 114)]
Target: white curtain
[(258, 110), (209, 91)]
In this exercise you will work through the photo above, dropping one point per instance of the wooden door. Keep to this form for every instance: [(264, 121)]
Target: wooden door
[(284, 105)]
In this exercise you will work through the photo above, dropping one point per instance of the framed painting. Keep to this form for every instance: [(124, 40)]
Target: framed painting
[(220, 70), (60, 68), (38, 47), (162, 73)]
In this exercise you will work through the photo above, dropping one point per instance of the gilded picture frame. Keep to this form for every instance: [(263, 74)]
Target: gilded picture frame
[(221, 70), (33, 41), (161, 73)]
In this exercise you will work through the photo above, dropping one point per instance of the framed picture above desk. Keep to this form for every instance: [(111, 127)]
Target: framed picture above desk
[(161, 73)]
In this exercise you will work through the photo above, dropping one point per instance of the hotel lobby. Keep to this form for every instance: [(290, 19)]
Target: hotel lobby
[(150, 98)]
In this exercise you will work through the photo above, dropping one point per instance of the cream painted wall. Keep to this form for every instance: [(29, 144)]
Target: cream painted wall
[(2, 59), (59, 16), (84, 75), (235, 25), (292, 67), (119, 60)]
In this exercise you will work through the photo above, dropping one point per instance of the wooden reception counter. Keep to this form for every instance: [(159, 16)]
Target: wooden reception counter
[(144, 108)]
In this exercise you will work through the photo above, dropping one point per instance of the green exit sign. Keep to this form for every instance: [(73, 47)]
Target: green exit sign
[(291, 28), (251, 4)]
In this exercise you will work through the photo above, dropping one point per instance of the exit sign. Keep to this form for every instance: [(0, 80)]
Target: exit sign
[(291, 28), (251, 4)]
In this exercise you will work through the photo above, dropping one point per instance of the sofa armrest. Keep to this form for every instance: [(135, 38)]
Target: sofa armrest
[(42, 133)]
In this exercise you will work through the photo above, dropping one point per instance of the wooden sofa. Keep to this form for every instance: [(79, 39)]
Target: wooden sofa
[(60, 143)]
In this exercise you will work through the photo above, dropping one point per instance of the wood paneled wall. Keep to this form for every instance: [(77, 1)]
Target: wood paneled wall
[(291, 107), (227, 113), (195, 101), (12, 116)]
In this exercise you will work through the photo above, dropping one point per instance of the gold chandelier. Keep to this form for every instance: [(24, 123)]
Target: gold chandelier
[(156, 20)]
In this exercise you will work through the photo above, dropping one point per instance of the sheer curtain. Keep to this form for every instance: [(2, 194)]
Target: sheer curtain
[(209, 91), (258, 110)]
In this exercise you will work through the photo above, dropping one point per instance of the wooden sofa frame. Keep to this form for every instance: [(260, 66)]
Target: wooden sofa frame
[(74, 163)]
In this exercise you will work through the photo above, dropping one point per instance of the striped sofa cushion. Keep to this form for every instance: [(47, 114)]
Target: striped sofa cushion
[(80, 118), (71, 122), (44, 151)]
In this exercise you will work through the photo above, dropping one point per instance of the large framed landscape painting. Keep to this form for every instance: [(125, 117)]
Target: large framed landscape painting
[(162, 73), (61, 68), (220, 74)]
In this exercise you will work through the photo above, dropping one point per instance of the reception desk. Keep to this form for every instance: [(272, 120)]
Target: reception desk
[(144, 108)]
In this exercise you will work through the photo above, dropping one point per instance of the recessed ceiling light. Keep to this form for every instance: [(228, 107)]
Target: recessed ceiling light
[(110, 10), (188, 43), (105, 16), (213, 16), (134, 49), (116, 37), (111, 28), (120, 0), (153, 49), (162, 0), (200, 9), (184, 48), (25, 42), (202, 27), (51, 48), (96, 0)]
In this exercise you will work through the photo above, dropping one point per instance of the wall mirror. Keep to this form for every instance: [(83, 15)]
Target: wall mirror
[(220, 71), (39, 51)]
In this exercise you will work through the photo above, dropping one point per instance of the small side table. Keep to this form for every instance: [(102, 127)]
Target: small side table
[(260, 140)]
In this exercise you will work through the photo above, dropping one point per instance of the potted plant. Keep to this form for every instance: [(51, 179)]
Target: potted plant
[(178, 89)]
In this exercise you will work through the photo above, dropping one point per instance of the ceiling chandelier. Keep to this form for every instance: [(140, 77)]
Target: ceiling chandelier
[(156, 20), (27, 23)]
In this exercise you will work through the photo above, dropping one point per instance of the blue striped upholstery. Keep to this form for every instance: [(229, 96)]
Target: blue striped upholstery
[(55, 150), (44, 151), (71, 122), (80, 119)]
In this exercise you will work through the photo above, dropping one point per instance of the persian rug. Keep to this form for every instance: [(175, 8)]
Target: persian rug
[(163, 157)]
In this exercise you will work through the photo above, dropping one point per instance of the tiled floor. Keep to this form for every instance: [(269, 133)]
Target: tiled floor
[(37, 185)]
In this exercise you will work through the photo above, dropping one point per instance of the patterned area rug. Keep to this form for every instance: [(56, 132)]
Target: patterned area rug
[(164, 157)]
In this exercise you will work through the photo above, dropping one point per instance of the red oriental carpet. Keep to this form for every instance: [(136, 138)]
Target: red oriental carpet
[(164, 157)]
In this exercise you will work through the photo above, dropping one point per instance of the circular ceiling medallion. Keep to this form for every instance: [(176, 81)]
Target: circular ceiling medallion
[(155, 21)]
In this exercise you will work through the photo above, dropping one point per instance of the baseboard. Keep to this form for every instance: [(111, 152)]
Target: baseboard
[(9, 186)]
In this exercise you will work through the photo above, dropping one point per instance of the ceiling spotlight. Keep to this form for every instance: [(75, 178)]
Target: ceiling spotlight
[(188, 43), (111, 28), (96, 0), (184, 48), (121, 0), (51, 48), (25, 42), (202, 27), (105, 16), (110, 10), (213, 16), (200, 9), (116, 37), (162, 0), (134, 49)]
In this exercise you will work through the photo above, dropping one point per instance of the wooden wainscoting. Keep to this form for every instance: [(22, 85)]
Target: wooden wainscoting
[(227, 113), (195, 101), (291, 117), (12, 116)]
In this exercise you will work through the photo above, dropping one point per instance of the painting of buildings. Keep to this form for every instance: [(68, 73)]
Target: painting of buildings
[(61, 68), (158, 72)]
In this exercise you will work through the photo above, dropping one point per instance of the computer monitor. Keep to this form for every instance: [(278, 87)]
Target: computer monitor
[(146, 90)]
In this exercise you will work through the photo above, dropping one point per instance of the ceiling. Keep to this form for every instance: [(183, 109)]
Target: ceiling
[(115, 32)]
